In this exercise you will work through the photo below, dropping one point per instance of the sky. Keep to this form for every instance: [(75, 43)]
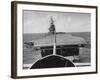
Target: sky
[(39, 21)]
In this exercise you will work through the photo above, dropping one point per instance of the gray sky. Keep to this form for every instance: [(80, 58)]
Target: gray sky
[(39, 21)]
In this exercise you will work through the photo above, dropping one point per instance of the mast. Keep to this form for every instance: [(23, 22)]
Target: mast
[(52, 31), (54, 46)]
